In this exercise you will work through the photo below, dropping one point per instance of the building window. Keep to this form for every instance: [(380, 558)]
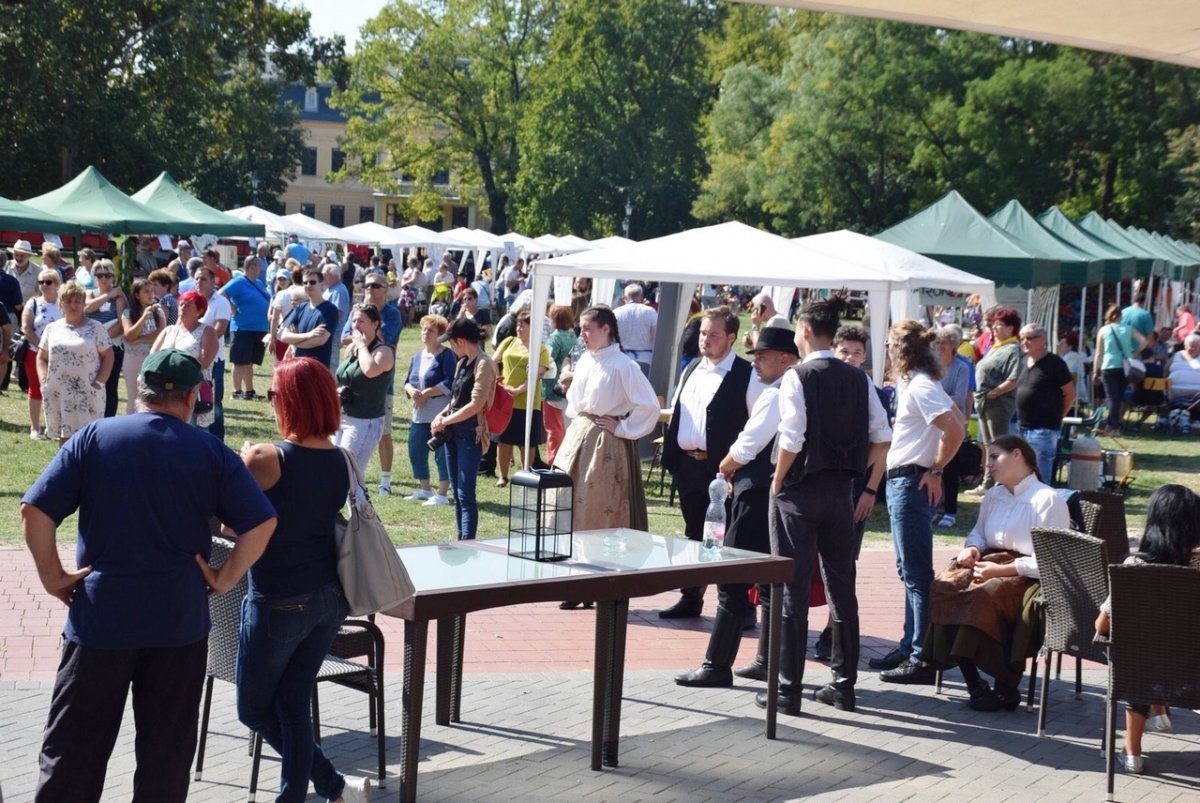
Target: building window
[(458, 217), (310, 99), (337, 216), (308, 209), (308, 162), (339, 159), (366, 214), (441, 177), (393, 217)]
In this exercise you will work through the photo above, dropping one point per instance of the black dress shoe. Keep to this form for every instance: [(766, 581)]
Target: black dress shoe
[(786, 704), (1010, 697), (756, 670), (706, 677), (983, 698), (841, 698), (684, 609), (890, 661), (910, 673), (823, 648)]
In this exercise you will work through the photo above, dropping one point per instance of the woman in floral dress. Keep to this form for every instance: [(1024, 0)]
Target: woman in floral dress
[(75, 357)]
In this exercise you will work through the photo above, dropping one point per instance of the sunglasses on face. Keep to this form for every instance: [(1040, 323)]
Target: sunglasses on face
[(104, 275), (46, 281), (375, 286), (311, 281)]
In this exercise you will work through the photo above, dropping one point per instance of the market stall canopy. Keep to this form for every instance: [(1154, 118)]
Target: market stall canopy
[(912, 273), (92, 202), (518, 240), (605, 242), (952, 231), (418, 237), (1114, 237), (1077, 267), (274, 224), (1118, 265), (17, 216), (1176, 266), (369, 233), (313, 230), (165, 195), (1190, 261), (1163, 30)]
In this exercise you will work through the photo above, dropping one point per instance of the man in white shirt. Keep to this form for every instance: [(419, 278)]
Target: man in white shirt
[(712, 404), (218, 316), (747, 468), (928, 431), (637, 323), (832, 427), (23, 270), (762, 315)]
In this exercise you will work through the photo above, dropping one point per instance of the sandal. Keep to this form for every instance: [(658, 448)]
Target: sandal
[(502, 482)]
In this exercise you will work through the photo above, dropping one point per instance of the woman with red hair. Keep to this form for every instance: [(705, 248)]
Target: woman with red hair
[(196, 338), (294, 604)]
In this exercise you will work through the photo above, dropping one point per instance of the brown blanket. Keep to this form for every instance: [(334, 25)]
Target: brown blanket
[(992, 606)]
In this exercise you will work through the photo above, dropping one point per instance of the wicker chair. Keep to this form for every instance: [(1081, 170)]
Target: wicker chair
[(357, 638), (1091, 518), (1073, 569), (1111, 528), (1154, 648)]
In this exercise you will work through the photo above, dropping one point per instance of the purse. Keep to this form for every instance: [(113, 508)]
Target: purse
[(372, 575), (501, 411), (204, 401), (1135, 369)]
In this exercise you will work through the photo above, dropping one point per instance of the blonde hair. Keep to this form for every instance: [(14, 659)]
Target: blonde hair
[(50, 273), (72, 290)]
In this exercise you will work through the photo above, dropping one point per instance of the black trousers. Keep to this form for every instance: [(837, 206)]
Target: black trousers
[(692, 478), (114, 380), (749, 528), (817, 512), (85, 717)]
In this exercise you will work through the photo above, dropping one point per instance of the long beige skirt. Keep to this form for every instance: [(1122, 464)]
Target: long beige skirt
[(607, 475)]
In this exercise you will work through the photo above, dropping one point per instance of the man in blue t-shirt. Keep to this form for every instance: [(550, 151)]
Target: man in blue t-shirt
[(309, 329), (248, 296), (1137, 317), (336, 293), (138, 603)]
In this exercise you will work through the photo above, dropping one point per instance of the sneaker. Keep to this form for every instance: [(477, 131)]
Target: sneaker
[(910, 674), (436, 500), (947, 521), (1159, 724), (890, 661), (1133, 764), (35, 435), (237, 394), (419, 495), (385, 490), (356, 790), (249, 395)]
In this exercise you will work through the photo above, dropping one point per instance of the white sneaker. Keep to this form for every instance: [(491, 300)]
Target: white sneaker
[(947, 521), (385, 490), (420, 495), (1159, 724), (436, 500), (1132, 764), (357, 790), (35, 435)]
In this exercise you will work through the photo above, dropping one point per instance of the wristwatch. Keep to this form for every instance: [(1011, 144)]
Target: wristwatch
[(936, 472)]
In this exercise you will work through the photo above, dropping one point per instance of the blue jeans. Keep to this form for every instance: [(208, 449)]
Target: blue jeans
[(1045, 445), (912, 537), (282, 645), (464, 457), (1114, 393), (418, 453)]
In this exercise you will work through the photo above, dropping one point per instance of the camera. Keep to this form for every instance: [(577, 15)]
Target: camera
[(438, 441), (345, 394)]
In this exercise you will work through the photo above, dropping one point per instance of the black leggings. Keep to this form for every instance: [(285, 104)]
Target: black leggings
[(114, 379)]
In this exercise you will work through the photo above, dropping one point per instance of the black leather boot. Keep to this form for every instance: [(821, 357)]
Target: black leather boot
[(691, 602), (844, 664), (793, 646), (723, 645), (757, 669)]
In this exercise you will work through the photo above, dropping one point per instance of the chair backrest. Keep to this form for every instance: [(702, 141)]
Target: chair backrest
[(1155, 645), (225, 610), (1073, 569), (1111, 528), (1091, 513)]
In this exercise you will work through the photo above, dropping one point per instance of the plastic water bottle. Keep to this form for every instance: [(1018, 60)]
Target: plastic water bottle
[(714, 517)]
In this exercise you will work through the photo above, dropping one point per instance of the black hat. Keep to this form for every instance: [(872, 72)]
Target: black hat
[(776, 338), (463, 329)]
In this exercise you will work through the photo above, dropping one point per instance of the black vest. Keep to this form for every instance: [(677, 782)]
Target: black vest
[(836, 403), (727, 415)]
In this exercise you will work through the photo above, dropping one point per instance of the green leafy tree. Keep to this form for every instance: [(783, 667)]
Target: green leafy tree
[(439, 86)]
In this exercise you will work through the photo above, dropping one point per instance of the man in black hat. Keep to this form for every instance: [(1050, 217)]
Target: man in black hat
[(747, 467), (138, 603)]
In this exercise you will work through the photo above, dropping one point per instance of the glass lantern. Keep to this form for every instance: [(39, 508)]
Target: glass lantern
[(539, 515)]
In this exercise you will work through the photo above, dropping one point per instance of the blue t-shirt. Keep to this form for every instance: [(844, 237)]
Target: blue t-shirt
[(339, 296), (251, 299), (298, 252), (306, 317), (1138, 319), (145, 589)]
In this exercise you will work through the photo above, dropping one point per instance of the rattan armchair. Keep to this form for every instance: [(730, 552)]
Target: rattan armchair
[(1111, 528), (1154, 649), (1091, 513)]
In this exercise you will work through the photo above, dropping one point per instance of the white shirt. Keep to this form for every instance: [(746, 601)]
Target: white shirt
[(919, 400), (1007, 517), (28, 280), (610, 383), (636, 324), (218, 310), (793, 412), (697, 393), (762, 426), (1185, 375)]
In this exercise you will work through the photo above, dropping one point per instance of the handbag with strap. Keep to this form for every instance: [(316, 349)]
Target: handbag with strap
[(1135, 369), (372, 575)]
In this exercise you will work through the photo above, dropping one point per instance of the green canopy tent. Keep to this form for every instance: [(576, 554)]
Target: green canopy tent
[(17, 216), (1118, 265), (166, 196), (91, 201), (1112, 236), (1185, 267)]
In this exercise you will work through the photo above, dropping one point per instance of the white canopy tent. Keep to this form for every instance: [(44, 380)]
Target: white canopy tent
[(912, 272), (369, 233), (309, 228), (275, 225)]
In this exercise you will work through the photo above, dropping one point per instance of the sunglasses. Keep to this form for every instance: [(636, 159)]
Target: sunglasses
[(311, 281), (104, 275), (46, 281)]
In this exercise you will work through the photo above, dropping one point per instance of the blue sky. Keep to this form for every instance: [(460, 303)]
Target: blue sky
[(339, 16)]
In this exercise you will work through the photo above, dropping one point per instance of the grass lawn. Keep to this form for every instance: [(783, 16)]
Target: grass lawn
[(1159, 459)]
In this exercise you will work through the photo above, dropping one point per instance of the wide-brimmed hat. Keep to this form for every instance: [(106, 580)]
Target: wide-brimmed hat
[(775, 338), (21, 247)]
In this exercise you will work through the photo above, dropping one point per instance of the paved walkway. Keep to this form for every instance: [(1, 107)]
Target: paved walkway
[(527, 707)]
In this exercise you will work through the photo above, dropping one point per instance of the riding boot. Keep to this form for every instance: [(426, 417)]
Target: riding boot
[(689, 606), (844, 665), (722, 649), (757, 669), (793, 646)]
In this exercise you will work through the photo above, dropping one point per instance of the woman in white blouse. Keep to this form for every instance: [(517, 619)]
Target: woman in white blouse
[(979, 602), (611, 405)]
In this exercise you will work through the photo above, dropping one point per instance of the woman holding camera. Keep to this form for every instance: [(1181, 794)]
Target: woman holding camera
[(463, 424), (363, 377), (428, 386), (105, 304), (141, 322)]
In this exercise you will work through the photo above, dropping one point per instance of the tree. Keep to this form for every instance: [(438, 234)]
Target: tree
[(438, 86), (615, 118)]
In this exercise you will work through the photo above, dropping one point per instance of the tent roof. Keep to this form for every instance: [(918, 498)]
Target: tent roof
[(695, 256), (517, 239), (17, 216), (309, 228), (1163, 30), (605, 242), (369, 232), (418, 237), (92, 202), (904, 265), (274, 224), (1116, 238), (165, 195), (1118, 264), (952, 231), (1077, 267)]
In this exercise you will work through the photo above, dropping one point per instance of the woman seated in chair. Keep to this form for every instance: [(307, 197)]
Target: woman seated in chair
[(1170, 537), (982, 604)]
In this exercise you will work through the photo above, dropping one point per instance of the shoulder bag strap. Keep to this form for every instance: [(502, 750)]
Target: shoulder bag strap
[(358, 483)]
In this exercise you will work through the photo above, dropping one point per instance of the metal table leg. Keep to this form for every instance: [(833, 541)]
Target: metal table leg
[(616, 682), (456, 677), (601, 677), (773, 657), (416, 635), (451, 633)]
